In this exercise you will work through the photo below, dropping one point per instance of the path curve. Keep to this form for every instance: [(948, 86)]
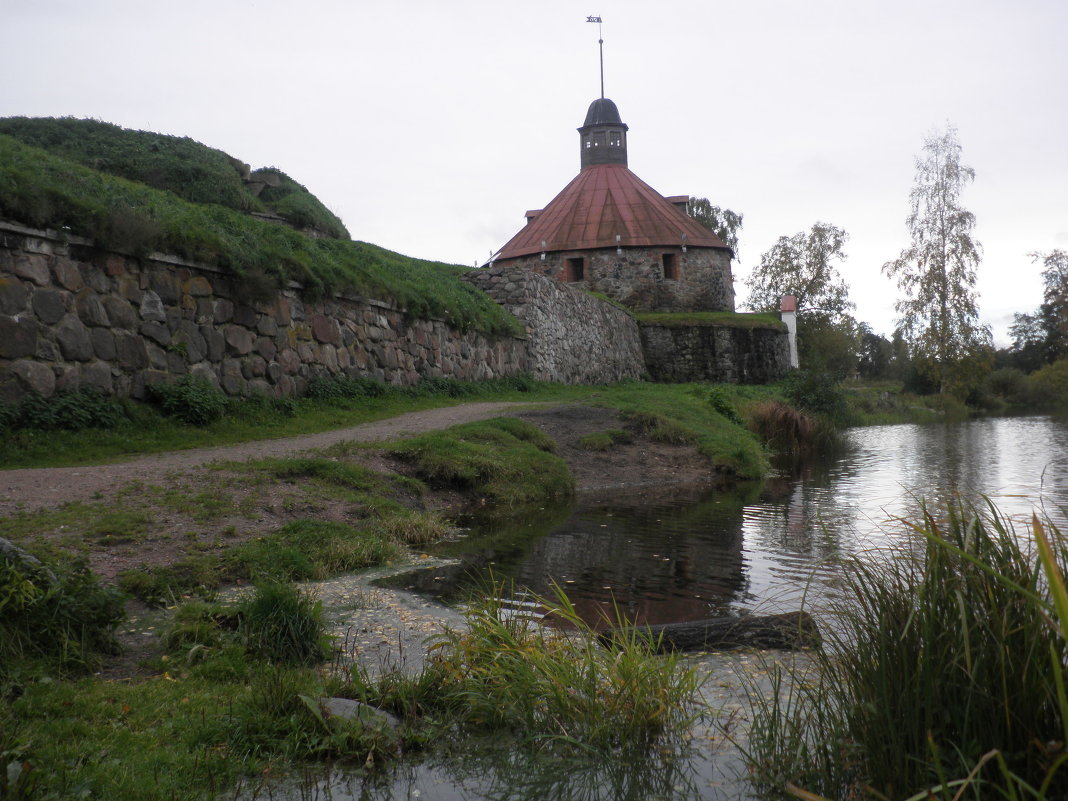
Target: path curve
[(33, 488)]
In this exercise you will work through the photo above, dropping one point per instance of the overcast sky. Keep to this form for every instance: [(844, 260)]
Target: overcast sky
[(429, 127)]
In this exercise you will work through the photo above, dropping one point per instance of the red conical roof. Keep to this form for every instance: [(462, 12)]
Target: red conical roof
[(604, 201)]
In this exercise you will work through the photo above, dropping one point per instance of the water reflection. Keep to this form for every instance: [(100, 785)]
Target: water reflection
[(660, 558), (504, 772), (686, 555)]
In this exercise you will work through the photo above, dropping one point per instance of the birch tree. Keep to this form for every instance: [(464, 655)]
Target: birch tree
[(937, 271), (804, 265)]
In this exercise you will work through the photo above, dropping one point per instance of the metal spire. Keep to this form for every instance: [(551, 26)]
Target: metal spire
[(600, 46)]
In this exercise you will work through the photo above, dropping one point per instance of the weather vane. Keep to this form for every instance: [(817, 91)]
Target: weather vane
[(600, 45)]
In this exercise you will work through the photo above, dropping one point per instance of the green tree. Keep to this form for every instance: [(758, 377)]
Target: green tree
[(1053, 313), (724, 223), (876, 353), (937, 271), (803, 265), (1028, 342)]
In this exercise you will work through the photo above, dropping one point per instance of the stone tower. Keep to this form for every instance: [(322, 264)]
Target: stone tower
[(610, 232)]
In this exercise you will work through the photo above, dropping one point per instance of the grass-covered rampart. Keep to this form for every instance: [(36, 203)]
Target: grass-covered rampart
[(183, 166), (41, 189), (726, 319)]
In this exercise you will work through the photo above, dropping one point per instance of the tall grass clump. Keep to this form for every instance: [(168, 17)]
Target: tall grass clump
[(945, 675), (283, 624), (790, 432), (553, 685), (58, 613)]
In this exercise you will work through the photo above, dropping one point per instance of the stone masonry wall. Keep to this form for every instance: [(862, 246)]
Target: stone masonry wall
[(574, 337), (635, 277), (715, 353), (72, 316)]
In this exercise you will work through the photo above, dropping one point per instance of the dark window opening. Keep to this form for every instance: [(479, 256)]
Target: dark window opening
[(668, 261), (575, 269)]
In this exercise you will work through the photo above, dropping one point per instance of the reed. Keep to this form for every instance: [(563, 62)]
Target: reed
[(793, 433), (944, 678)]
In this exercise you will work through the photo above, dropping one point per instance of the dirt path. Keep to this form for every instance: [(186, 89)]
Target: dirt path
[(44, 487)]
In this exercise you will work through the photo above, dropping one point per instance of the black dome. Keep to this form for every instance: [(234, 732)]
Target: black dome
[(602, 112)]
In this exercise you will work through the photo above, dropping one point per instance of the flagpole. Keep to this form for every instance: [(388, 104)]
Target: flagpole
[(600, 47)]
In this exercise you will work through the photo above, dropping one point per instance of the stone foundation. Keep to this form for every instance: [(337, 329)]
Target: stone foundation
[(716, 353)]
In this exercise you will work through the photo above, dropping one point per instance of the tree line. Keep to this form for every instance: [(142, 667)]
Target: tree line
[(938, 344)]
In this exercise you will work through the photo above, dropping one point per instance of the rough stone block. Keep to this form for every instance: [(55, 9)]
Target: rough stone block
[(157, 332), (120, 312), (32, 267), (224, 311), (103, 344), (114, 265), (72, 336), (239, 340), (152, 307), (132, 352), (67, 274), (157, 357), (34, 377), (91, 309), (289, 361), (14, 295), (96, 374), (197, 286), (246, 316), (130, 288), (166, 286), (325, 330), (266, 348), (50, 305)]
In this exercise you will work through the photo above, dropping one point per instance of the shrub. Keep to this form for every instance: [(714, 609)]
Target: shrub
[(71, 410), (340, 386), (191, 399), (55, 611), (719, 400), (282, 624), (1052, 381), (815, 392)]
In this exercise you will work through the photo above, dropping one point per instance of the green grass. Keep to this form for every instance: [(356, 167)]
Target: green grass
[(554, 686), (193, 171), (503, 462), (604, 440), (945, 672), (41, 189), (146, 430), (728, 319), (684, 413)]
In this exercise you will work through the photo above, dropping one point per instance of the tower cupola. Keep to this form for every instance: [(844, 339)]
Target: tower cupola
[(603, 136)]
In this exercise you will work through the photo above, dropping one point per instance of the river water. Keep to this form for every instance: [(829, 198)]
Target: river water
[(685, 555)]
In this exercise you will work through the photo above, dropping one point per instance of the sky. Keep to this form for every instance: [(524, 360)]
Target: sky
[(429, 126)]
